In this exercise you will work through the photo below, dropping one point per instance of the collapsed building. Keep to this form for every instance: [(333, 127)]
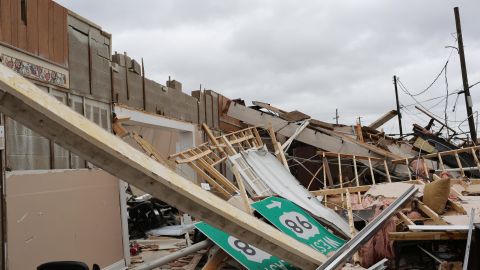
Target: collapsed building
[(115, 162)]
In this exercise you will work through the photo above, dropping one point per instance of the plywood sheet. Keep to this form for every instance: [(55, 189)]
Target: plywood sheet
[(63, 215)]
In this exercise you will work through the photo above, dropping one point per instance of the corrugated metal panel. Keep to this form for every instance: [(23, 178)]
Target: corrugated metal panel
[(282, 182)]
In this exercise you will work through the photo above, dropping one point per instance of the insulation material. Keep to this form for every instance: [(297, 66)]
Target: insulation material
[(282, 182), (379, 246), (63, 215)]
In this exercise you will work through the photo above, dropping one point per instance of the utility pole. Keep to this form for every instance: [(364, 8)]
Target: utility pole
[(359, 120), (336, 116), (466, 87), (399, 114)]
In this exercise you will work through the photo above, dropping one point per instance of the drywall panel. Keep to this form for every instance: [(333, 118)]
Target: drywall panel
[(63, 215)]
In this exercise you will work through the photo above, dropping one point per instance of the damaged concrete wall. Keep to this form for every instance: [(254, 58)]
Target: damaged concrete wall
[(63, 215), (131, 89), (89, 58)]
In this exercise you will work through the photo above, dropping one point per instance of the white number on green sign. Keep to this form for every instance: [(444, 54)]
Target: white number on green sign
[(252, 253)]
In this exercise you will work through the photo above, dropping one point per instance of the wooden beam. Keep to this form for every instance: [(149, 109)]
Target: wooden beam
[(277, 147), (212, 138), (404, 218), (355, 170), (387, 171), (382, 120), (430, 213), (340, 176), (337, 191), (426, 236), (243, 192), (24, 102), (216, 261), (350, 156), (371, 170), (358, 130), (440, 160), (459, 163)]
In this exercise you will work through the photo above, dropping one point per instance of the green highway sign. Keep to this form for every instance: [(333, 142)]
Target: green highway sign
[(294, 221), (247, 255)]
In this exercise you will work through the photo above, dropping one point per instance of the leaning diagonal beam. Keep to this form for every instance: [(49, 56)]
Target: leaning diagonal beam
[(27, 104)]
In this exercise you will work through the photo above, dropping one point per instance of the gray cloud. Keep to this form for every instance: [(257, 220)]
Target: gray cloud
[(313, 56)]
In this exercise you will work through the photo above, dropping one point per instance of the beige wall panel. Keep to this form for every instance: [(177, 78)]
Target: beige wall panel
[(63, 215)]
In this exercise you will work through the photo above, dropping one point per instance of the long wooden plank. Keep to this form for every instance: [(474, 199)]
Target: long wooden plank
[(27, 104), (5, 24), (32, 26), (14, 19), (59, 30), (426, 236), (382, 120), (43, 25), (430, 213)]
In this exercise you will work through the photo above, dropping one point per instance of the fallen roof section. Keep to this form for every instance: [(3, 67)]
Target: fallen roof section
[(319, 137), (23, 101)]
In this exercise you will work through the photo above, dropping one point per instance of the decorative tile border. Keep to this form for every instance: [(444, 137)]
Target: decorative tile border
[(34, 71)]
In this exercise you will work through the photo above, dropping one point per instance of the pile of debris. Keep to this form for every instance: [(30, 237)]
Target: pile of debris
[(361, 200)]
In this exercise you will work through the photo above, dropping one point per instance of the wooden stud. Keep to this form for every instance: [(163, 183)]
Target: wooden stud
[(223, 192), (426, 236), (404, 218), (459, 163), (216, 261), (440, 160), (430, 213), (314, 176), (228, 146), (353, 231), (408, 169), (324, 177), (474, 154), (425, 168), (371, 170), (278, 148), (355, 170), (243, 192), (387, 171), (257, 137), (456, 206), (340, 177)]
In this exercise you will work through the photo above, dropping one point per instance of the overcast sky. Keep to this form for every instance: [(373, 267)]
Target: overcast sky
[(312, 56)]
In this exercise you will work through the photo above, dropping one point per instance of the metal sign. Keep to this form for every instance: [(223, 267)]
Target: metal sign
[(247, 255), (295, 222)]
